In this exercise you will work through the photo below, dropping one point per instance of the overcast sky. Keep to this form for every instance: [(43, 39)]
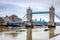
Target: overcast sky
[(18, 7)]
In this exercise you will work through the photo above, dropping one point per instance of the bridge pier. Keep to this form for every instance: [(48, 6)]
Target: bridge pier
[(29, 25), (29, 31), (51, 31), (29, 34), (51, 25)]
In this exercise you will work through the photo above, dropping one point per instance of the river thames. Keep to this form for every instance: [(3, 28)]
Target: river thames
[(37, 34)]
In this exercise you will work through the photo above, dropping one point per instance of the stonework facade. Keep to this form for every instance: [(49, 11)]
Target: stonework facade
[(51, 16), (29, 15)]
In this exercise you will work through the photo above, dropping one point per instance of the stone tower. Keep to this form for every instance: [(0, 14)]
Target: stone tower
[(51, 25), (51, 16), (29, 15), (29, 25)]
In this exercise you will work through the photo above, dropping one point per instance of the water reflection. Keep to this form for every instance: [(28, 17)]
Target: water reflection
[(37, 34), (12, 34), (0, 33)]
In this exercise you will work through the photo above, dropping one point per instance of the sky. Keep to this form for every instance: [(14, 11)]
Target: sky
[(19, 7)]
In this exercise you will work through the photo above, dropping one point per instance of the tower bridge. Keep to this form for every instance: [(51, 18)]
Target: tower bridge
[(51, 24), (51, 13)]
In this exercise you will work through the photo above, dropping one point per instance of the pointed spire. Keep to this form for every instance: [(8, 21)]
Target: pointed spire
[(51, 7), (6, 16), (29, 8)]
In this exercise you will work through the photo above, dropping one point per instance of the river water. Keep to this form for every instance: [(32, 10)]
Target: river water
[(37, 34)]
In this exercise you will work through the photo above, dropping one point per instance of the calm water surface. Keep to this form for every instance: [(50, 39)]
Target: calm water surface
[(37, 34)]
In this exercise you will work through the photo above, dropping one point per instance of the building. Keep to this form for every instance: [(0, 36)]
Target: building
[(12, 20), (2, 28), (1, 21)]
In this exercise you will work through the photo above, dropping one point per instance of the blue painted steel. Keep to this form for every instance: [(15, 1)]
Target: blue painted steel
[(38, 22), (40, 12), (57, 16), (24, 16), (10, 22), (41, 21), (46, 12)]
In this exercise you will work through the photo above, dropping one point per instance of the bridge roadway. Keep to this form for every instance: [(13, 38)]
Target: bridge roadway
[(40, 24)]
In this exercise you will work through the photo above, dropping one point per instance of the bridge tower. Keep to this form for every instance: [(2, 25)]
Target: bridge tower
[(28, 25), (29, 15), (51, 24)]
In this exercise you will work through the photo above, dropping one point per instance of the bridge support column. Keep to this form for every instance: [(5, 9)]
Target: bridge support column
[(29, 31), (51, 25), (51, 31), (29, 25), (29, 34)]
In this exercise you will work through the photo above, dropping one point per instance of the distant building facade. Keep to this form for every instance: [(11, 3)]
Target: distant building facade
[(1, 21), (13, 19)]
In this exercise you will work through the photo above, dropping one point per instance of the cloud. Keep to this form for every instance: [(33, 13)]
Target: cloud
[(19, 7), (8, 9)]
